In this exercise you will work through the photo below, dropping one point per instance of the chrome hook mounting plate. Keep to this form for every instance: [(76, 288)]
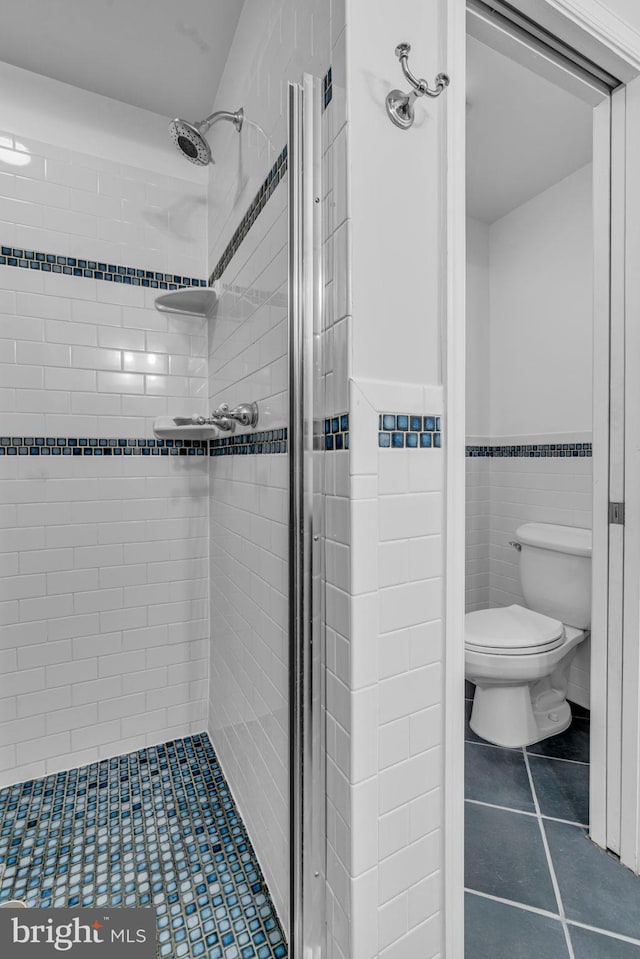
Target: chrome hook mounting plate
[(400, 105)]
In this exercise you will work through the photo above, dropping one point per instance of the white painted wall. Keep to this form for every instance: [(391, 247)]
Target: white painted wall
[(104, 595), (478, 359), (397, 341), (478, 328), (541, 312), (529, 315)]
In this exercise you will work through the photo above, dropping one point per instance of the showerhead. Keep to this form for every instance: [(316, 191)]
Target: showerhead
[(190, 140)]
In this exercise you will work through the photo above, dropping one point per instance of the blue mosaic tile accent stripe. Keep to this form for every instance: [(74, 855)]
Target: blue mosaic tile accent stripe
[(256, 207), (93, 270), (267, 441), (409, 431), (156, 828), (97, 446), (532, 450), (327, 89), (336, 433)]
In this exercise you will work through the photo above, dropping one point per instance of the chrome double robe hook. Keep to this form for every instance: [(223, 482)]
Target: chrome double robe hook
[(399, 104)]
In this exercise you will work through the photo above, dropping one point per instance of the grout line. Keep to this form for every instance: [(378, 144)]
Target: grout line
[(604, 932), (524, 812), (517, 905), (557, 759), (521, 812), (552, 872), (552, 915), (567, 822)]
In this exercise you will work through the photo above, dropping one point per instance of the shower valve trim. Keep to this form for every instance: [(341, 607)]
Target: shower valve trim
[(224, 418)]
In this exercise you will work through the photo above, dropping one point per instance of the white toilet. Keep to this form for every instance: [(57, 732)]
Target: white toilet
[(519, 658)]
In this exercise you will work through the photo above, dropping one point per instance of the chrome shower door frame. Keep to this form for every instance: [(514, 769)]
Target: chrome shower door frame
[(306, 721)]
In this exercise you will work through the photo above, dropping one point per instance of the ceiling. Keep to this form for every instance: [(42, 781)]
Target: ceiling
[(161, 55), (524, 133)]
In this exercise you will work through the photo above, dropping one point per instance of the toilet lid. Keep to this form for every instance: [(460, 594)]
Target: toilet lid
[(512, 630)]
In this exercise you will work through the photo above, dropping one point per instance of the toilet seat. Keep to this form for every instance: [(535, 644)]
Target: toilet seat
[(512, 631)]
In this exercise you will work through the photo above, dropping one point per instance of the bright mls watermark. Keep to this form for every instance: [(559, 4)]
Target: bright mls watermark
[(78, 933)]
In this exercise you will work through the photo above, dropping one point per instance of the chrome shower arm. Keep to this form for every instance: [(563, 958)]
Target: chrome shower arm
[(236, 118)]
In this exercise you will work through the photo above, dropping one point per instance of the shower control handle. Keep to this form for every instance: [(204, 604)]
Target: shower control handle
[(244, 413), (224, 418), (195, 420)]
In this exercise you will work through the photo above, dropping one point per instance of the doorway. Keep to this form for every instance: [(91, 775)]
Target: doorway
[(541, 449)]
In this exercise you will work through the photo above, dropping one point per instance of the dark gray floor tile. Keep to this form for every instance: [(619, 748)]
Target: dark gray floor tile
[(594, 887), (591, 945), (493, 930), (469, 689), (562, 788), (505, 857), (580, 712), (573, 743), (498, 776)]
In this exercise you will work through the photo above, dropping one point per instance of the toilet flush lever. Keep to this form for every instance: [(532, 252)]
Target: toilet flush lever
[(516, 545)]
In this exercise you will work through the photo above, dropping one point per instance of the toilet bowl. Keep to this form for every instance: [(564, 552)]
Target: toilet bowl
[(518, 657), (519, 662)]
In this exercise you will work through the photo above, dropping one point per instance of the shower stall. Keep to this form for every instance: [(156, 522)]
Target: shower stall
[(162, 499)]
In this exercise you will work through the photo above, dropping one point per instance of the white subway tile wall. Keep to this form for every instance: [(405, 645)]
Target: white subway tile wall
[(249, 522), (477, 552), (75, 204), (104, 606), (503, 493), (105, 560), (344, 897), (391, 630)]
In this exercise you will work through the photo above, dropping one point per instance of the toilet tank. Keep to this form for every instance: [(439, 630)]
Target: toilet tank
[(555, 571)]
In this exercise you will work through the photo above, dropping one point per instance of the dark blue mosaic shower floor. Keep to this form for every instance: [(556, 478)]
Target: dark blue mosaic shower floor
[(153, 828)]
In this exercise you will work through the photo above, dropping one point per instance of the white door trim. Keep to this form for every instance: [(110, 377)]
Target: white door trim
[(589, 27), (607, 683), (600, 488), (630, 746), (454, 377)]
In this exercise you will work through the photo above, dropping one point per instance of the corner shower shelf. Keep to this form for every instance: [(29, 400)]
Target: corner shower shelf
[(165, 429), (189, 301)]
